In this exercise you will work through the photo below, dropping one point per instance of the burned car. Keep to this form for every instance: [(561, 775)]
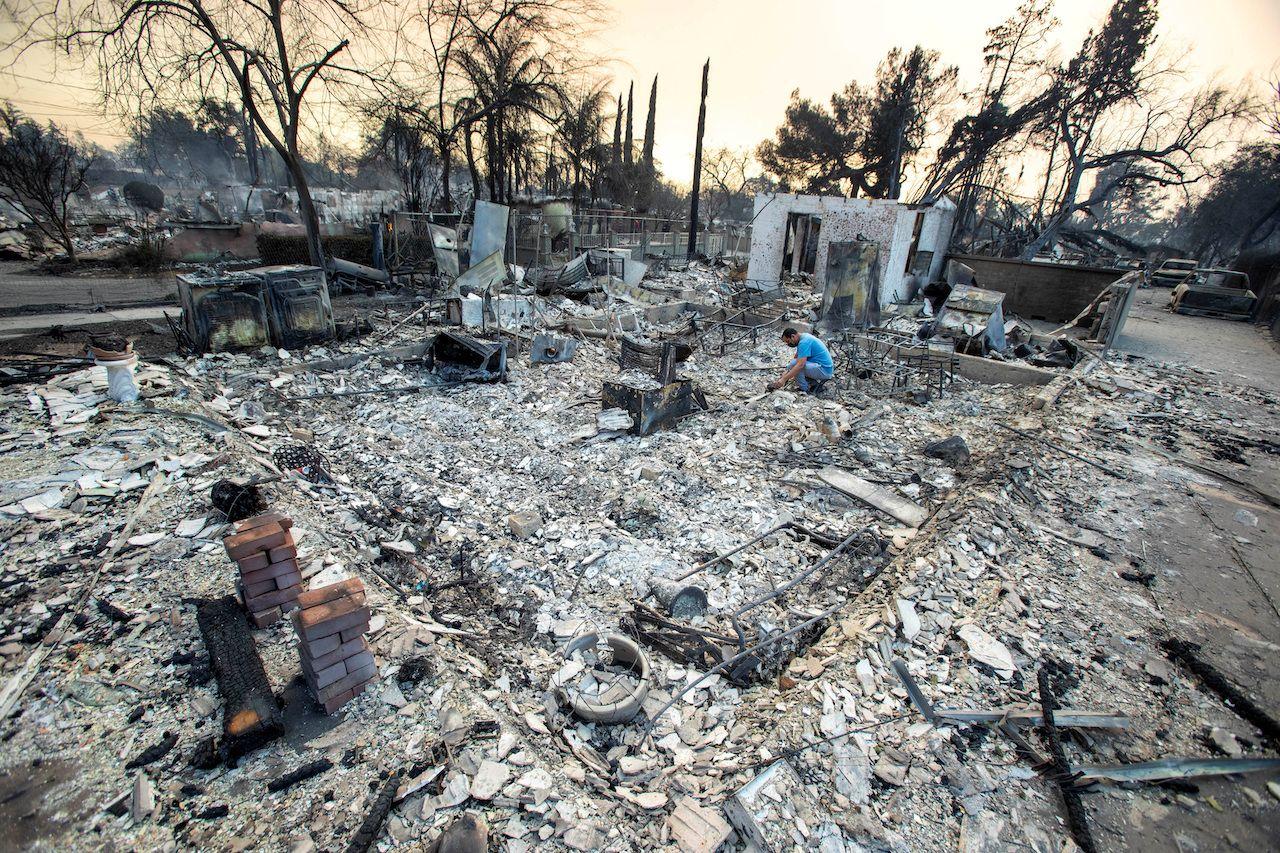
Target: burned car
[(1173, 272), (1215, 293)]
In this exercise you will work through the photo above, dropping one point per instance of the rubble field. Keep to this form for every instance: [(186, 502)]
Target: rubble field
[(867, 673)]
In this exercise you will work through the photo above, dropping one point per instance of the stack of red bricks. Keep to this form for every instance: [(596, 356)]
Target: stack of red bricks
[(263, 548), (336, 659)]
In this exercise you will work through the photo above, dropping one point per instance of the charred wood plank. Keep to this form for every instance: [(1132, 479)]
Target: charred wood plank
[(301, 774), (1077, 817), (250, 716), (153, 753), (371, 826), (1187, 655)]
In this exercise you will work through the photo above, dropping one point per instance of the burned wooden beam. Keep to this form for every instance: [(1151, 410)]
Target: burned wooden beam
[(371, 826), (300, 774), (153, 753), (1077, 817), (250, 717)]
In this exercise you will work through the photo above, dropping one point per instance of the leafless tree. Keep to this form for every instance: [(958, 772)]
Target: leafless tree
[(274, 56), (40, 170), (481, 68), (971, 163), (397, 136), (725, 172), (1112, 104)]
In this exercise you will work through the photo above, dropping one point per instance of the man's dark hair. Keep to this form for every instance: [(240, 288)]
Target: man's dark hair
[(789, 331)]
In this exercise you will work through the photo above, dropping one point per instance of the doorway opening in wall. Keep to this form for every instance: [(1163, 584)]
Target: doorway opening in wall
[(915, 241), (801, 250)]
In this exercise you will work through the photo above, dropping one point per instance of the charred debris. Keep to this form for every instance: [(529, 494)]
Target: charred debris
[(537, 561)]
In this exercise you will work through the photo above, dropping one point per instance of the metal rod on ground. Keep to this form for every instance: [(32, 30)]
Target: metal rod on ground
[(1061, 449), (725, 664), (791, 584), (794, 751), (1240, 560), (397, 326), (727, 554)]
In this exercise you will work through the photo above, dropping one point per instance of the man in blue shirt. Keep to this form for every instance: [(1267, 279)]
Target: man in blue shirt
[(812, 366)]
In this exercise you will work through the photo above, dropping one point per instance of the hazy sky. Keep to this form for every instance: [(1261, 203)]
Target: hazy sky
[(761, 50)]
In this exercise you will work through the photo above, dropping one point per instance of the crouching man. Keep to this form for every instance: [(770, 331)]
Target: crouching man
[(812, 366)]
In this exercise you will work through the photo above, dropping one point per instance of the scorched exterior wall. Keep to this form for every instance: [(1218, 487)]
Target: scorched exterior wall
[(886, 222)]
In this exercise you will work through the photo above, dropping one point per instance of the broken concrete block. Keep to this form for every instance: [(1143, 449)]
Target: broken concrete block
[(695, 828), (987, 649), (143, 800), (524, 524), (865, 677), (489, 780), (467, 834), (909, 619)]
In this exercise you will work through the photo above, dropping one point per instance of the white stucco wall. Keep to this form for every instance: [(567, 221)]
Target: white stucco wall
[(886, 222)]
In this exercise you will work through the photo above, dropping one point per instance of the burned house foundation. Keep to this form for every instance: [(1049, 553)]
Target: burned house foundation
[(562, 570)]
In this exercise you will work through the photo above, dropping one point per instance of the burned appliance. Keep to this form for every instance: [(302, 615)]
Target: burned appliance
[(298, 296), (284, 306), (659, 359), (974, 319), (456, 357), (549, 349), (225, 312), (653, 408)]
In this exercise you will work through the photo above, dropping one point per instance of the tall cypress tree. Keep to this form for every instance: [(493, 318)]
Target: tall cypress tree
[(697, 163), (615, 164), (647, 158), (630, 142), (617, 134)]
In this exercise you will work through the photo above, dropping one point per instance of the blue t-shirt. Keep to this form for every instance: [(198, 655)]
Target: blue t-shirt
[(814, 350)]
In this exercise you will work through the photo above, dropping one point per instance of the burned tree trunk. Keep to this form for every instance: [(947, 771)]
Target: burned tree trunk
[(445, 169), (310, 217), (471, 164), (697, 163)]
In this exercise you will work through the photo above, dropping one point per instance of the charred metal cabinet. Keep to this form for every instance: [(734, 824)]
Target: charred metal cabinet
[(652, 409), (285, 306), (224, 313), (298, 296)]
